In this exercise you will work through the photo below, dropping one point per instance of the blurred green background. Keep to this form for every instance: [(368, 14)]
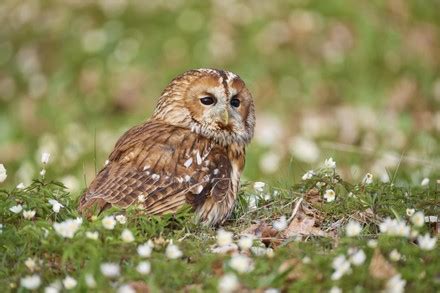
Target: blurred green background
[(354, 80)]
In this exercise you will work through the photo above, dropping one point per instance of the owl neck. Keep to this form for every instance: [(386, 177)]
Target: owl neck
[(224, 138)]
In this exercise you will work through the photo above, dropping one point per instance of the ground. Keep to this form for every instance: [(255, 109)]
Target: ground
[(368, 237), (354, 80)]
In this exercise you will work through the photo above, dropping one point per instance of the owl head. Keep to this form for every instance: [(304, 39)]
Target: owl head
[(213, 103)]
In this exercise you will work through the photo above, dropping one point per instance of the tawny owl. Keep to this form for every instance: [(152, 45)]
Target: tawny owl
[(191, 151)]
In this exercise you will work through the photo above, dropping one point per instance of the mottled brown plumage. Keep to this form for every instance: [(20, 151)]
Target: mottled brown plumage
[(188, 152)]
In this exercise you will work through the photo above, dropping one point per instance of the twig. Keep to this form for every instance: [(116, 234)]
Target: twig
[(295, 210)]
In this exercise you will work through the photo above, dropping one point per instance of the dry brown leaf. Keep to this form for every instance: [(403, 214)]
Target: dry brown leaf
[(305, 223), (380, 268), (313, 196), (140, 287), (217, 268), (268, 235), (193, 288), (294, 266), (366, 216), (159, 241)]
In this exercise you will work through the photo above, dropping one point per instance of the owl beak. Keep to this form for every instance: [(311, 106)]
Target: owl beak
[(224, 117)]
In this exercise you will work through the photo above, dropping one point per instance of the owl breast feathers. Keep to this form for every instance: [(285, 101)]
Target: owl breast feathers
[(191, 151)]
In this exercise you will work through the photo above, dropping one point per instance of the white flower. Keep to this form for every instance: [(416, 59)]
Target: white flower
[(90, 281), (3, 174), (127, 236), (426, 242), (253, 202), (308, 175), (121, 219), (45, 158), (110, 270), (395, 285), (320, 184), (410, 212), (269, 162), (330, 163), (141, 198), (56, 206), (92, 235), (68, 228), (258, 250), (353, 228), (341, 266), (246, 242), (69, 282), (126, 289), (280, 224), (259, 186), (225, 248), (372, 243), (54, 287), (228, 283), (414, 234), (172, 251), (109, 222), (31, 282), (304, 149), (425, 182), (272, 290), (395, 255), (143, 268), (30, 264), (224, 237), (150, 243), (43, 172), (335, 289), (368, 179), (358, 258), (306, 260), (418, 219), (16, 209), (29, 214), (394, 228), (241, 263), (20, 185), (329, 195), (144, 250)]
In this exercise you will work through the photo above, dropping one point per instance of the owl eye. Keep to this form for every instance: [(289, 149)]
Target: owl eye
[(235, 102), (207, 101)]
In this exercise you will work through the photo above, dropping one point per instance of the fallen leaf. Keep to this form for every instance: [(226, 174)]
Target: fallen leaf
[(217, 268), (313, 196), (159, 241), (366, 216), (294, 266), (266, 233), (380, 268), (140, 287), (306, 222), (193, 288)]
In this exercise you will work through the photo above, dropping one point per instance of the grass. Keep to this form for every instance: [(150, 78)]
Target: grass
[(356, 80), (299, 262)]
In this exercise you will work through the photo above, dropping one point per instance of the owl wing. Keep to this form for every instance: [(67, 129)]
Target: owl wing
[(160, 167)]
